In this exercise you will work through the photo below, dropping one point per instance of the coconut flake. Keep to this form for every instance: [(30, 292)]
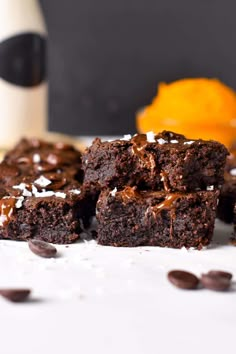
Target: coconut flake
[(113, 192), (36, 158), (174, 141), (126, 137), (188, 142), (44, 194), (150, 137), (233, 172), (26, 193), (43, 181), (161, 141), (34, 190), (75, 191), (20, 186), (210, 188), (60, 195), (19, 202)]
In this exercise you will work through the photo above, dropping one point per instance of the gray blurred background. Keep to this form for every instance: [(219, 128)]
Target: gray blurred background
[(106, 57)]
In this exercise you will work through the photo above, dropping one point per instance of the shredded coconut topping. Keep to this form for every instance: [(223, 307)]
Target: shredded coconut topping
[(150, 137), (188, 142), (42, 181), (19, 202), (36, 158), (26, 193), (233, 172), (210, 188), (126, 137), (44, 194), (113, 192), (75, 191), (47, 193), (20, 186), (60, 195), (161, 141), (34, 190)]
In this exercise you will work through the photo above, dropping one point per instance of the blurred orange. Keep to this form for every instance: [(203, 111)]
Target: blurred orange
[(198, 108)]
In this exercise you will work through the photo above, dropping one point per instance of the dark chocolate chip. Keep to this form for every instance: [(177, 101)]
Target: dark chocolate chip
[(15, 295), (215, 282), (221, 273), (42, 249), (182, 279)]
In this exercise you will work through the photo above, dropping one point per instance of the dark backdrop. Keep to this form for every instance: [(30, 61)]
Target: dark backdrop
[(106, 57)]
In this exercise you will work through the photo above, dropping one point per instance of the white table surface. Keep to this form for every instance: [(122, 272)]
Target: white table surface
[(96, 299)]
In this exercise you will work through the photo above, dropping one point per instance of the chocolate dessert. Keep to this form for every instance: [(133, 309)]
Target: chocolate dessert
[(155, 218), (164, 161), (41, 191), (227, 199)]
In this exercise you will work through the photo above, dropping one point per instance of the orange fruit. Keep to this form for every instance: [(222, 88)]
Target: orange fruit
[(198, 108)]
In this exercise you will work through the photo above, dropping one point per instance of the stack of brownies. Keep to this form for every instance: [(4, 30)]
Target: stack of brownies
[(157, 190), (41, 193)]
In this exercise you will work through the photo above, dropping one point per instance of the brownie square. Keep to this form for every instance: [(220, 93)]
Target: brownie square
[(164, 161), (41, 193), (145, 218), (227, 199)]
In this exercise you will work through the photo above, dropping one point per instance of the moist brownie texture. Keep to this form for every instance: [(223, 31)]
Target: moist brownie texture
[(227, 199), (156, 218), (41, 192), (233, 239), (164, 161)]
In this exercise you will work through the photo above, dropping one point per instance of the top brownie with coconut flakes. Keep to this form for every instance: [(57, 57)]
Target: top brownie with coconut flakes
[(163, 161)]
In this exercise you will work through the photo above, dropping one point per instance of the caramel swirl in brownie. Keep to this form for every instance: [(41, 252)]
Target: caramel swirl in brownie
[(168, 203), (7, 206), (139, 144), (129, 193)]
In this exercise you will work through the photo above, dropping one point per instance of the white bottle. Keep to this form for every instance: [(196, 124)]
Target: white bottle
[(23, 86)]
